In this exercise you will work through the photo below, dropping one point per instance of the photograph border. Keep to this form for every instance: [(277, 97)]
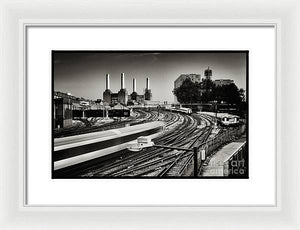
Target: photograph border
[(246, 52)]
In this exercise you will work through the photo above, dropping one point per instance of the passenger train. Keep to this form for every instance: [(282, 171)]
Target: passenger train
[(224, 119), (73, 150), (180, 110)]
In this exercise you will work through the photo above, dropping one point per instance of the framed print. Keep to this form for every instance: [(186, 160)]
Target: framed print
[(164, 123), (194, 125)]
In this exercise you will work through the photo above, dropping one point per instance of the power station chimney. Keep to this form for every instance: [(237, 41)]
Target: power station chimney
[(148, 94), (122, 81), (122, 94), (107, 93), (147, 83), (107, 81), (134, 85)]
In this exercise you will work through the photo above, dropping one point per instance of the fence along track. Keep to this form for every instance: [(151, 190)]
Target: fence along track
[(210, 147)]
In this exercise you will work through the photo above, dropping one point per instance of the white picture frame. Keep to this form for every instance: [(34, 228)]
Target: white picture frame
[(14, 215)]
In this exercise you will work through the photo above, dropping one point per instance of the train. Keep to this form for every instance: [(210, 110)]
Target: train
[(73, 150), (224, 119), (180, 110)]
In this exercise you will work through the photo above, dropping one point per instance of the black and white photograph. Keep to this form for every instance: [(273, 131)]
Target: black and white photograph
[(150, 114)]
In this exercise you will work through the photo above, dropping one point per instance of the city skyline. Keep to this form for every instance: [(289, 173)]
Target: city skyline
[(83, 73)]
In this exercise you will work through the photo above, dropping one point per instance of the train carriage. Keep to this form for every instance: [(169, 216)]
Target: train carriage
[(69, 151), (228, 120), (224, 119), (180, 110)]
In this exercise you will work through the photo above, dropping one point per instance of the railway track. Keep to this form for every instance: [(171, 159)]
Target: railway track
[(175, 162), (121, 163), (158, 162), (186, 157)]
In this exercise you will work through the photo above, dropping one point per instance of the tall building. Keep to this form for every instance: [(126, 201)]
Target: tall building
[(221, 82), (193, 77), (62, 113), (63, 109), (208, 73), (178, 82)]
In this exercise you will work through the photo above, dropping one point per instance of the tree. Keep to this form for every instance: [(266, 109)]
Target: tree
[(242, 94), (207, 84), (207, 88), (188, 92), (228, 93), (207, 91)]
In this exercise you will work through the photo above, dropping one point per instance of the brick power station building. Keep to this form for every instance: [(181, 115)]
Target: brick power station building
[(122, 96)]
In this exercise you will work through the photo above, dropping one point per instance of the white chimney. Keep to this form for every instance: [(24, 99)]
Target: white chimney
[(122, 81), (134, 85), (147, 83), (107, 81)]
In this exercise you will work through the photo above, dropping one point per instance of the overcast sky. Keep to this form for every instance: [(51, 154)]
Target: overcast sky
[(83, 73)]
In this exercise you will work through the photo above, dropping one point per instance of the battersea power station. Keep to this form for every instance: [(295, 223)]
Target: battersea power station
[(122, 96)]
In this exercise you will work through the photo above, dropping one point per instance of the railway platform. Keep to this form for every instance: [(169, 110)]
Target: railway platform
[(221, 162)]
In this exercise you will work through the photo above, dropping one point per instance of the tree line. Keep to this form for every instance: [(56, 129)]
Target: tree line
[(207, 92)]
